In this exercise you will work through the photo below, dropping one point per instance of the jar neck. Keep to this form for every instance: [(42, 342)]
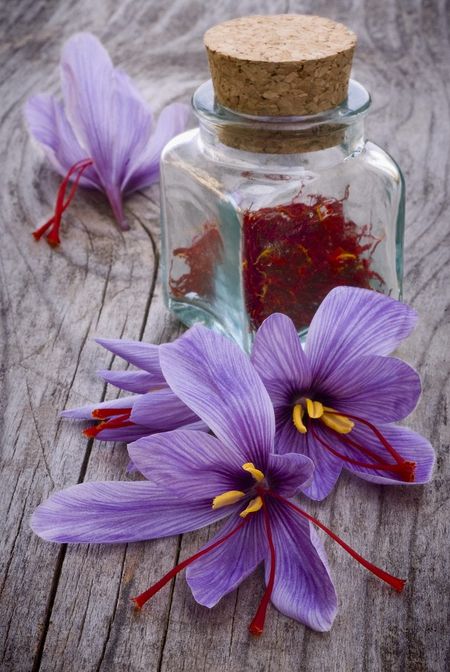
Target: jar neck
[(268, 147), (321, 139)]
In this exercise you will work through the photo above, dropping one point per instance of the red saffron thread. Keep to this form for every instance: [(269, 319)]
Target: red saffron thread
[(256, 627), (397, 457), (101, 413), (393, 581), (116, 422), (295, 253), (406, 468), (201, 258), (141, 599), (60, 206)]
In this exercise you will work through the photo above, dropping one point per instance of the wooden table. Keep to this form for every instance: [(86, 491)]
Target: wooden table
[(69, 608)]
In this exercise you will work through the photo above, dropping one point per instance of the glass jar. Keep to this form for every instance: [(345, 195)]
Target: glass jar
[(267, 214)]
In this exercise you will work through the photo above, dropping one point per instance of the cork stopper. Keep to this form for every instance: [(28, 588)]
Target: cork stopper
[(282, 65)]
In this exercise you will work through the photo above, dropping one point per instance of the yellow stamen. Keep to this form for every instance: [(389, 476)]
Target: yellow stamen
[(256, 473), (297, 416), (314, 409), (253, 506), (339, 423), (226, 498)]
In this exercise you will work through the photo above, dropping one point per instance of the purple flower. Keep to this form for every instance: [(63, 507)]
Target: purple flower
[(102, 137), (196, 479), (154, 409), (336, 399)]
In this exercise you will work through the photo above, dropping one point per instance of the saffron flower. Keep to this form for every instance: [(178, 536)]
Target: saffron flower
[(102, 137), (195, 479), (155, 408), (336, 399)]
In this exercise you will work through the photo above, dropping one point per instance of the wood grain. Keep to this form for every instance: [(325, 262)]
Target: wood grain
[(69, 608)]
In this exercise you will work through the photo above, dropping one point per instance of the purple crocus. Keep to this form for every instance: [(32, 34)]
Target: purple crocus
[(336, 399), (155, 408), (195, 479), (102, 137)]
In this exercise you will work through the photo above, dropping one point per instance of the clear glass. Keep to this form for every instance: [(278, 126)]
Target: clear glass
[(263, 215)]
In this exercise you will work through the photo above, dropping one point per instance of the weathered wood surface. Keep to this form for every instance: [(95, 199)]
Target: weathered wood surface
[(69, 608)]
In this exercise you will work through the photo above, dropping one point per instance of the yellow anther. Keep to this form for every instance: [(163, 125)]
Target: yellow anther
[(256, 473), (314, 409), (230, 497), (254, 505), (297, 416), (339, 423)]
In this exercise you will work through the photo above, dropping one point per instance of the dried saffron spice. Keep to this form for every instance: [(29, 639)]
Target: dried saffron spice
[(201, 258), (295, 253)]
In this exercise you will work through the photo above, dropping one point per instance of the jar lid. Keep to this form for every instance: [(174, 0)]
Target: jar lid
[(282, 65)]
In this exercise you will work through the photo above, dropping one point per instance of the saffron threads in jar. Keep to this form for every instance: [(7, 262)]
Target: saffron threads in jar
[(295, 253), (200, 258)]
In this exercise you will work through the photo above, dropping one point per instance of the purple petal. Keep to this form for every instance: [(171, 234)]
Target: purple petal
[(289, 473), (114, 512), (327, 467), (85, 412), (111, 122), (132, 381), (48, 124), (351, 322), (195, 465), (135, 432), (143, 355), (223, 569), (145, 170), (126, 84), (217, 381), (410, 445), (279, 359), (162, 411), (380, 389), (123, 434), (131, 468), (303, 587)]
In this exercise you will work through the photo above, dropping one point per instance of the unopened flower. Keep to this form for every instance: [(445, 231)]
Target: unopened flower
[(102, 137), (196, 479), (155, 408), (335, 400)]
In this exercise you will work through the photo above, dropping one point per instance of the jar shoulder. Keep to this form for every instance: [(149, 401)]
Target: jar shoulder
[(187, 150), (378, 159)]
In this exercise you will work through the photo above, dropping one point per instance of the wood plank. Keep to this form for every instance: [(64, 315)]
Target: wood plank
[(67, 609)]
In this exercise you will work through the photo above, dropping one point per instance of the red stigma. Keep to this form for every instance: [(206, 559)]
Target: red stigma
[(406, 469), (102, 413), (141, 599), (393, 581), (60, 206), (120, 418), (256, 627)]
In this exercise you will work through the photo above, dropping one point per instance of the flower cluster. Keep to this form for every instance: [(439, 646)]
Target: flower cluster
[(282, 424)]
